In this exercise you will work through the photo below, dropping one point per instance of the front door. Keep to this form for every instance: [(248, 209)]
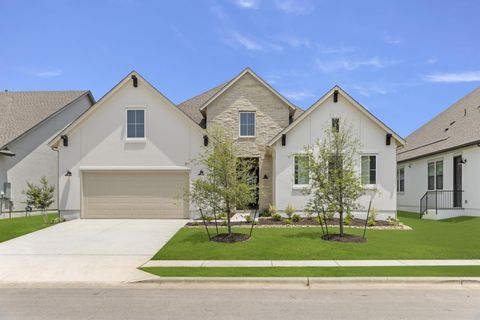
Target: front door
[(457, 182)]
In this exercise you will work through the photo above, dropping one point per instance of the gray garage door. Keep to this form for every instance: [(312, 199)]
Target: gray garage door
[(134, 194)]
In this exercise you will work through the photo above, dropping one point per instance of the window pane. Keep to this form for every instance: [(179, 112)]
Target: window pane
[(131, 131), (243, 118), (251, 130), (140, 132), (365, 170), (402, 185), (243, 130), (130, 116), (140, 116), (301, 170), (431, 176), (251, 118)]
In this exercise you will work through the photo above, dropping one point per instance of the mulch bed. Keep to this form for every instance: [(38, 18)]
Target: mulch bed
[(344, 238), (230, 238)]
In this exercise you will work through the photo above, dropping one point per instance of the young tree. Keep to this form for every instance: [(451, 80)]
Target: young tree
[(40, 196), (335, 182), (227, 182)]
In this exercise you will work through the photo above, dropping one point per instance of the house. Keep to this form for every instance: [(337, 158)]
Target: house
[(28, 120), (438, 173), (132, 154)]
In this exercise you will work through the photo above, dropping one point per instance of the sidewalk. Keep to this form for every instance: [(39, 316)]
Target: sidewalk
[(309, 263)]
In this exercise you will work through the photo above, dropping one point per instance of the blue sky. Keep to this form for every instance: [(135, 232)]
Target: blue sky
[(403, 60)]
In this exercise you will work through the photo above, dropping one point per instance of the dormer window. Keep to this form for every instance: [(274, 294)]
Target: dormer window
[(247, 124), (135, 124)]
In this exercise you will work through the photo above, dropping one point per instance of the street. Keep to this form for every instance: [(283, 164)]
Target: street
[(151, 302)]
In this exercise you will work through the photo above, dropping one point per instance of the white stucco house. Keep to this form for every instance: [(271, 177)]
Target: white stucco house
[(438, 172), (131, 154), (28, 120)]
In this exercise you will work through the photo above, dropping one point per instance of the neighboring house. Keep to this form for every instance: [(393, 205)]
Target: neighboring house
[(438, 169), (28, 120), (132, 154)]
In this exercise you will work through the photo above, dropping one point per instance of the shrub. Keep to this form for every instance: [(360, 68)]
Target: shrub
[(348, 219), (393, 222), (276, 217), (222, 216), (372, 219), (272, 210), (224, 223), (289, 210), (248, 218), (288, 221), (295, 217), (195, 223), (265, 213)]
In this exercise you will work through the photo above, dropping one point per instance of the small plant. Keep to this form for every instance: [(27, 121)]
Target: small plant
[(222, 216), (248, 218), (393, 222), (289, 210), (348, 219), (276, 217), (195, 223), (265, 213), (41, 196), (372, 219), (224, 223), (295, 217), (288, 221), (272, 210)]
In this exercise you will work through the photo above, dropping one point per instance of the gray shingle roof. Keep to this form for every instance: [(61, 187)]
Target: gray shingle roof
[(22, 110), (457, 126)]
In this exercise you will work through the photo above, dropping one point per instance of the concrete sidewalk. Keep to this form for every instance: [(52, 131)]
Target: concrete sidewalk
[(309, 263)]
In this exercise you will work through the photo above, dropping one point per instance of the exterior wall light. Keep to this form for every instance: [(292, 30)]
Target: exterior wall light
[(265, 177), (201, 173), (68, 174)]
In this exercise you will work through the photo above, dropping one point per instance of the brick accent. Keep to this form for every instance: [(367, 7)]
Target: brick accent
[(272, 115)]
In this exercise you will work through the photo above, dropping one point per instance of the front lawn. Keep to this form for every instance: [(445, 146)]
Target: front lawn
[(16, 227), (449, 239), (437, 271)]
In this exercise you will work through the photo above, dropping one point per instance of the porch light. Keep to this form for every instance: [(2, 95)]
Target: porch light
[(200, 173), (265, 177), (463, 161), (68, 174)]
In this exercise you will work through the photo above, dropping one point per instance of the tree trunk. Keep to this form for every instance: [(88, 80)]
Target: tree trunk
[(340, 222), (229, 227)]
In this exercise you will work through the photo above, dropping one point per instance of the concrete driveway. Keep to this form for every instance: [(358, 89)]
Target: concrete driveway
[(103, 250)]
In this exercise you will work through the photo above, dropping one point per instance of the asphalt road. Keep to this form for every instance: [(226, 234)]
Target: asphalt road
[(202, 304)]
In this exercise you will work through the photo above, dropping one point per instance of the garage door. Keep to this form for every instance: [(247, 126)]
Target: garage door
[(134, 194)]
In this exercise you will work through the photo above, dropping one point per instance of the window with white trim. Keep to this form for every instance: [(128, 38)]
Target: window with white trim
[(135, 124), (401, 179), (435, 175), (301, 173), (369, 170), (247, 124)]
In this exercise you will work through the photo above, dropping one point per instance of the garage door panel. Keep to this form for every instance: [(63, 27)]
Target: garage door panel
[(134, 194)]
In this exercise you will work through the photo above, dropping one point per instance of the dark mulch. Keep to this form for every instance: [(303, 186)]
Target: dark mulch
[(303, 222), (344, 238), (230, 238)]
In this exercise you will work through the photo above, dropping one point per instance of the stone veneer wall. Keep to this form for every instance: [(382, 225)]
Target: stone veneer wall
[(272, 115)]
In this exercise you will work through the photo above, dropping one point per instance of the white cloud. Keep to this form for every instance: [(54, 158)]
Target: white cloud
[(337, 50), (47, 73), (432, 61), (298, 95), (296, 7), (394, 41), (246, 4), (349, 65), (468, 76), (294, 41), (183, 39), (368, 90), (246, 42)]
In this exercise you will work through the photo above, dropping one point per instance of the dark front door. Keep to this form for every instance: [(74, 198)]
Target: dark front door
[(457, 182)]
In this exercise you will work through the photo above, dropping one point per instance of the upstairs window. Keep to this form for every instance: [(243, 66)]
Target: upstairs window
[(336, 124), (400, 179), (247, 124), (369, 169), (135, 124)]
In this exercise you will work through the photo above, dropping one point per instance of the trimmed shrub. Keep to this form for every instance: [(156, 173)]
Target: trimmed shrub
[(295, 217), (289, 210), (276, 217)]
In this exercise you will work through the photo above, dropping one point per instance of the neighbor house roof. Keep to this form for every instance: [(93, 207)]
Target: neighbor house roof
[(457, 126), (21, 111), (320, 101), (193, 107)]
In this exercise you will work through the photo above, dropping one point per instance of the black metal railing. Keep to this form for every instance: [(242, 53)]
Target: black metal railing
[(441, 200)]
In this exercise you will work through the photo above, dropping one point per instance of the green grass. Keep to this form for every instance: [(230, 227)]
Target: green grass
[(16, 227), (440, 271), (449, 239)]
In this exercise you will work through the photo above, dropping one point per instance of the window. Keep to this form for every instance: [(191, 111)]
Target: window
[(369, 170), (247, 124), (336, 124), (135, 124), (439, 174), (400, 179), (435, 175), (301, 174)]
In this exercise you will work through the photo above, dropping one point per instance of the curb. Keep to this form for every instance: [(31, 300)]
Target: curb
[(312, 282)]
